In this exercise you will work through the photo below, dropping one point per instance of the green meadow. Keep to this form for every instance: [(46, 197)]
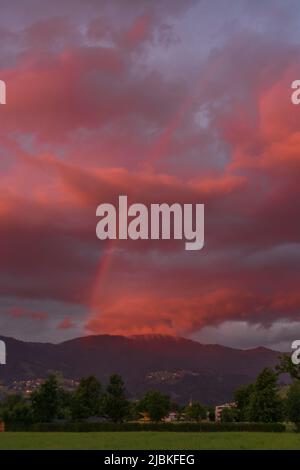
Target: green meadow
[(149, 440)]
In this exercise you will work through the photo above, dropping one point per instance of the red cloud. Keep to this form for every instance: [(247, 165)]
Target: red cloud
[(88, 123), (146, 312), (139, 31), (18, 312), (66, 324)]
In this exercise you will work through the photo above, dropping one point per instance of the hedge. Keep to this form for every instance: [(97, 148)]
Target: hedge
[(173, 427)]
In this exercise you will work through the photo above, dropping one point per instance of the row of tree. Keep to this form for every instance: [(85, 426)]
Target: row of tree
[(258, 402), (52, 402)]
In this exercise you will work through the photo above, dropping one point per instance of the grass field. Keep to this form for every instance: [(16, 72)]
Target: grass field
[(149, 440)]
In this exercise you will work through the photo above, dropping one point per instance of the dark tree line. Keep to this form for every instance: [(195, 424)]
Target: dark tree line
[(51, 402), (263, 402)]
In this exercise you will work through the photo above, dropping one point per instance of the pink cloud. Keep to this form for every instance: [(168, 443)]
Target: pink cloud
[(66, 324), (89, 122), (18, 312)]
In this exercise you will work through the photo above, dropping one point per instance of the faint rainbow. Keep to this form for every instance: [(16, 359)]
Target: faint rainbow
[(155, 154)]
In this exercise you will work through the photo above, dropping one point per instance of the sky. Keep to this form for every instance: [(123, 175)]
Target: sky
[(171, 101)]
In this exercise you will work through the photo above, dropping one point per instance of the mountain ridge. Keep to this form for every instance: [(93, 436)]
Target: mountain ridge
[(178, 366)]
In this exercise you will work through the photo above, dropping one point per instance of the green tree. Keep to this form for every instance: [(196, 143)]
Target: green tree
[(65, 402), (211, 414), (242, 398), (116, 406), (229, 415), (15, 409), (46, 400), (265, 405), (178, 409), (195, 411), (87, 399), (293, 403), (286, 366), (133, 414), (156, 404)]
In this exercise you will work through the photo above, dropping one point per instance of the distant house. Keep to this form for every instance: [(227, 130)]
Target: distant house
[(173, 416), (220, 408)]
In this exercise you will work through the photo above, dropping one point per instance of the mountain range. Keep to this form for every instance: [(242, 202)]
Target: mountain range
[(183, 368)]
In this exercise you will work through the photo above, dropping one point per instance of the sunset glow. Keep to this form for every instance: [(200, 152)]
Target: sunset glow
[(170, 102)]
